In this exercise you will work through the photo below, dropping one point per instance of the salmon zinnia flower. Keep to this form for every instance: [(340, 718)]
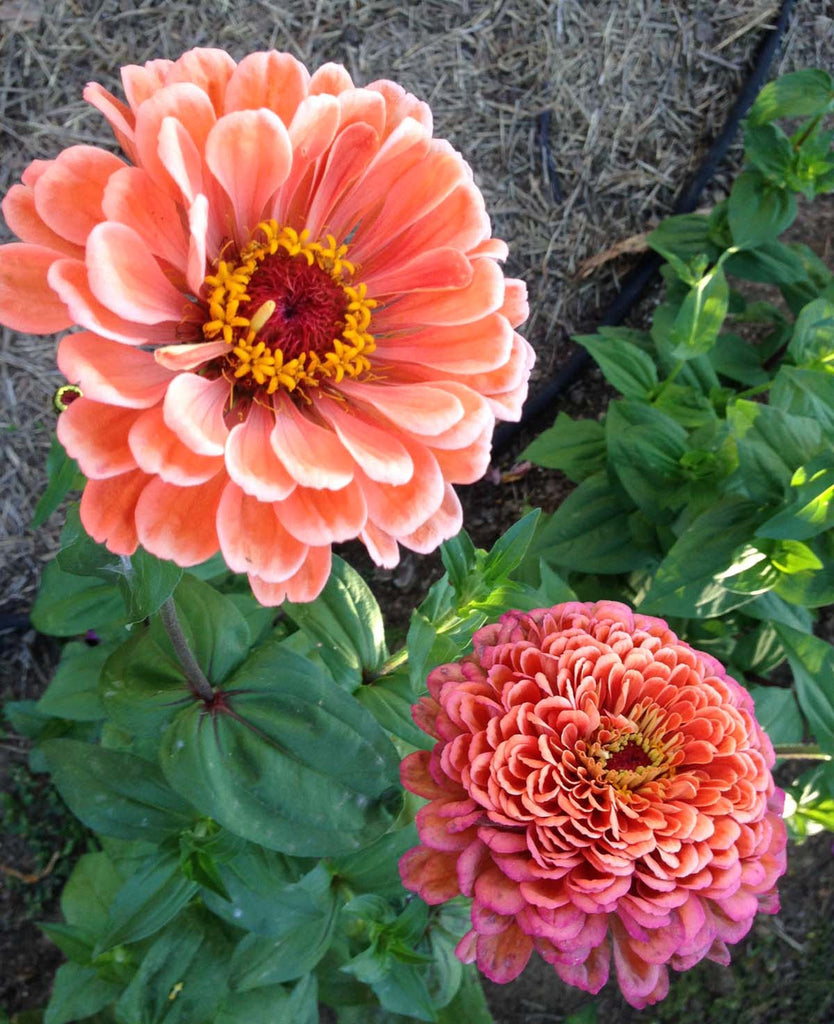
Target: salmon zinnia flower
[(597, 787), (295, 328)]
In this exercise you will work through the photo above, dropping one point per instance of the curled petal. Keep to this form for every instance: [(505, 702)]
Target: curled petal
[(399, 510), (27, 302), (108, 510), (126, 278), (158, 450), (312, 453), (194, 408), (251, 461), (504, 956), (379, 455), (272, 81), (131, 198), (97, 436), (112, 373), (250, 183), (25, 221), (254, 541), (80, 172), (178, 523), (304, 585), (319, 517)]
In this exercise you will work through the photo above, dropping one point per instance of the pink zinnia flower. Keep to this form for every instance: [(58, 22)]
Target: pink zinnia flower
[(296, 330), (597, 787)]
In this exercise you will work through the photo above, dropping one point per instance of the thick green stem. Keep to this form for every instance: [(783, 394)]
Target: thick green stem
[(807, 130), (676, 369), (400, 657), (801, 751), (759, 389), (193, 673)]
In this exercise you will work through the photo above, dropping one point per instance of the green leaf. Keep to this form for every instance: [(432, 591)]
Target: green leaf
[(147, 582), (733, 357), (285, 759), (64, 476), (295, 948), (758, 211), (459, 557), (645, 448), (687, 582), (69, 605), (73, 692), (89, 893), (147, 901), (771, 444), (81, 555), (813, 333), (811, 587), (181, 979), (770, 151), (759, 650), (346, 625), (798, 94), (778, 714), (142, 683), (628, 368), (263, 891), (685, 237), (144, 581), (769, 607), (115, 793), (769, 263), (552, 588), (589, 532), (812, 663), (273, 1004), (402, 989), (576, 447), (390, 700), (426, 650), (792, 557), (78, 992), (509, 550), (374, 869), (806, 393), (684, 405), (469, 1005), (812, 509), (75, 943), (750, 572), (215, 630), (701, 315), (444, 973), (586, 1014)]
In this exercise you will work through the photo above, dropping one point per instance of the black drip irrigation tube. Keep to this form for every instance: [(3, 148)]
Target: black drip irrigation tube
[(636, 281), (641, 276)]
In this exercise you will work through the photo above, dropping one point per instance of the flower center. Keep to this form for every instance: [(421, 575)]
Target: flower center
[(626, 755), (290, 313)]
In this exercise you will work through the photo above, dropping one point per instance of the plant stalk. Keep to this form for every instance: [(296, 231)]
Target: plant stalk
[(193, 673), (800, 751)]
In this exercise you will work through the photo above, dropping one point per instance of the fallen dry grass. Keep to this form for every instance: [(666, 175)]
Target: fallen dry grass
[(580, 119)]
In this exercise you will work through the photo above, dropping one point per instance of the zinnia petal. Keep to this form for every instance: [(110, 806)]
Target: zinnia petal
[(27, 303), (112, 373)]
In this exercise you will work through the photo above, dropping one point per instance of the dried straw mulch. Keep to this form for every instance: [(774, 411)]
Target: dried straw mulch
[(632, 93)]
